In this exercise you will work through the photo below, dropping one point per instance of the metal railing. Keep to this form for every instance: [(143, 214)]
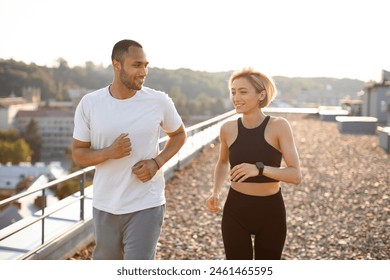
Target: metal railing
[(44, 212), (199, 136)]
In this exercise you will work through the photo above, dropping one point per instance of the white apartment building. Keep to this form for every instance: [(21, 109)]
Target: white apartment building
[(55, 127), (9, 107)]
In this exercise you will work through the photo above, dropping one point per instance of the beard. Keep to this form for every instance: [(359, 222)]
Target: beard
[(130, 84)]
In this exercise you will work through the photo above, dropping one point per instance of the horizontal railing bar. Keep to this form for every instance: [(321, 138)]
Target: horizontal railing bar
[(14, 249), (40, 218), (204, 124), (210, 122), (33, 251), (47, 185)]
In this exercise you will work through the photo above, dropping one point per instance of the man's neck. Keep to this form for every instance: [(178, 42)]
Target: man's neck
[(120, 92)]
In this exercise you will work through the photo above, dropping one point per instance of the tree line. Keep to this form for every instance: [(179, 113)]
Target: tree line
[(194, 92)]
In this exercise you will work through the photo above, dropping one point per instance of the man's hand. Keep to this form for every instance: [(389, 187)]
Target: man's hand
[(145, 169), (84, 155), (121, 147)]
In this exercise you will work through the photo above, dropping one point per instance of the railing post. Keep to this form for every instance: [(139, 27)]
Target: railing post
[(43, 206), (82, 183)]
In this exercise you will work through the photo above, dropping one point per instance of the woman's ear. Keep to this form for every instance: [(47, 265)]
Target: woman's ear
[(262, 98), (262, 95)]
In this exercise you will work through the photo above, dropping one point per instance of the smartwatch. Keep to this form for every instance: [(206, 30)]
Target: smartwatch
[(260, 166)]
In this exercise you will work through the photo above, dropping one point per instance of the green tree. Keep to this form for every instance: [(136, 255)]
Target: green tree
[(68, 188), (9, 135), (14, 151), (179, 99), (34, 139)]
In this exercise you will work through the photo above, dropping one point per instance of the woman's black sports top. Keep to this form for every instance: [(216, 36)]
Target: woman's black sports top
[(251, 147)]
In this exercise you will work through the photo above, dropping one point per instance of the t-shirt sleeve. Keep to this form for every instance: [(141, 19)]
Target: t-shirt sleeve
[(81, 130), (172, 119)]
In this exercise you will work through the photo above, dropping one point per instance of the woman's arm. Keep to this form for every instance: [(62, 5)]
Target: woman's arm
[(291, 173), (220, 172)]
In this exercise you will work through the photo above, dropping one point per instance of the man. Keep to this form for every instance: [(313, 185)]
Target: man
[(117, 129)]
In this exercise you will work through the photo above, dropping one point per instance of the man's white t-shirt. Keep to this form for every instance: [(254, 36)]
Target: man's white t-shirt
[(100, 119)]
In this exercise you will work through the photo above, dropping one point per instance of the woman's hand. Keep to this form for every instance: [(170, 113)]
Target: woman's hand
[(213, 203), (243, 171)]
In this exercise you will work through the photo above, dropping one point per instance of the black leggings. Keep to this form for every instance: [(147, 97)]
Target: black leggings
[(262, 216)]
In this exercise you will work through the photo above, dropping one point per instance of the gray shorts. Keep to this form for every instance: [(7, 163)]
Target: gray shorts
[(130, 236)]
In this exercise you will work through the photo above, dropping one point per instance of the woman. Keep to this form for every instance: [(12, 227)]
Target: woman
[(254, 146)]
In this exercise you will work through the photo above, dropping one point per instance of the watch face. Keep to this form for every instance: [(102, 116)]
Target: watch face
[(260, 166)]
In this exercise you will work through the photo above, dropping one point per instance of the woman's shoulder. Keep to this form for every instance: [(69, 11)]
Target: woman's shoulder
[(228, 125), (228, 132), (277, 120), (280, 124)]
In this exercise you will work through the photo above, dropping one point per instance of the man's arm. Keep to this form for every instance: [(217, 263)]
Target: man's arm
[(172, 146), (83, 155), (146, 169)]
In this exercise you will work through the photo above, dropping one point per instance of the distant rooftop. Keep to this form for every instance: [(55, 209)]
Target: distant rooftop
[(10, 175), (5, 102), (45, 113)]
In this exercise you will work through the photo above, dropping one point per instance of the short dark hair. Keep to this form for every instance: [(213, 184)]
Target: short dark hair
[(121, 49)]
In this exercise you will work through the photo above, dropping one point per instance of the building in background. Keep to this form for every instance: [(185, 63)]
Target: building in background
[(376, 99), (10, 106), (55, 127)]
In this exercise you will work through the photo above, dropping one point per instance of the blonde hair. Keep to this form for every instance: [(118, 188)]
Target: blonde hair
[(259, 81)]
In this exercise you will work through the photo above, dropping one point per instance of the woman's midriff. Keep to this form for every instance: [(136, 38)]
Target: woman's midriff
[(258, 189)]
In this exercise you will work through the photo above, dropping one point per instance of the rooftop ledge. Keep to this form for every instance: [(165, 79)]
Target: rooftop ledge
[(356, 119), (333, 112)]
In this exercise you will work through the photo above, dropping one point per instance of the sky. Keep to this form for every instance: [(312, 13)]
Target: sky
[(300, 38)]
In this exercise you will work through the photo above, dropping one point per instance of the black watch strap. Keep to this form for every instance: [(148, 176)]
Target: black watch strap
[(260, 167)]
